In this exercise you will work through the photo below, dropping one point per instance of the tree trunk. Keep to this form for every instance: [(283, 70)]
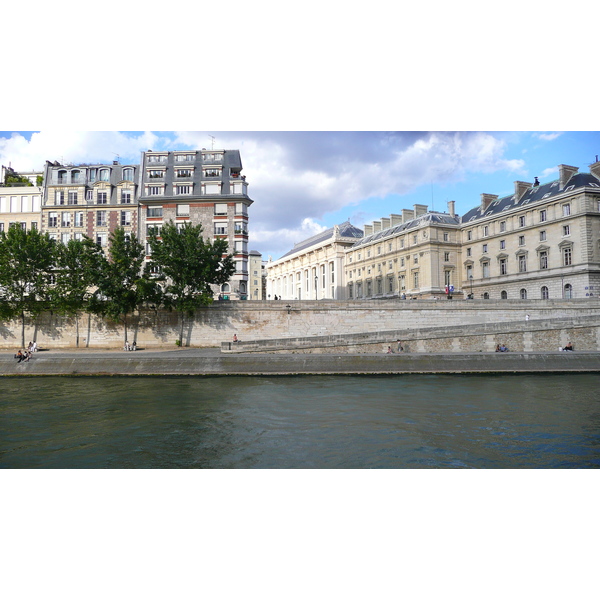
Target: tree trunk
[(77, 330), (181, 318), (22, 329), (125, 327)]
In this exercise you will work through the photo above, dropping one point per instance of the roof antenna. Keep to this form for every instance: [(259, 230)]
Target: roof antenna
[(212, 142)]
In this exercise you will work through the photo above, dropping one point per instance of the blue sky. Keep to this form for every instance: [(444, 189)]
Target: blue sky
[(302, 182)]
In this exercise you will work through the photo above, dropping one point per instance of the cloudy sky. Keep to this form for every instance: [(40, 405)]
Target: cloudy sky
[(303, 182)]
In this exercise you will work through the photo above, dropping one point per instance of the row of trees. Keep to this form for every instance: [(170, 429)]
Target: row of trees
[(39, 274)]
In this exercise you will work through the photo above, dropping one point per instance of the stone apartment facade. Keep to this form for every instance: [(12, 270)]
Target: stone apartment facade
[(20, 203), (204, 187), (91, 200)]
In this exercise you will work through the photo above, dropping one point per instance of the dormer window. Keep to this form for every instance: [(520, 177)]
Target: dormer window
[(104, 175), (128, 174)]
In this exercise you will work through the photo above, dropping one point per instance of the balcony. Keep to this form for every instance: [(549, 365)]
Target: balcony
[(81, 180)]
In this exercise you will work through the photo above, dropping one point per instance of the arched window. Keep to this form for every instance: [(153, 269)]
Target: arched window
[(242, 287), (75, 176), (486, 296), (523, 294), (104, 175), (225, 288), (503, 295), (545, 294), (128, 174), (568, 290)]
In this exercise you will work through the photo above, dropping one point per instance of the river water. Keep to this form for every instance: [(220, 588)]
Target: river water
[(414, 421)]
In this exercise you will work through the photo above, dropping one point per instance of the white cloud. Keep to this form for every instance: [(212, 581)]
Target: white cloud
[(548, 137), (549, 171)]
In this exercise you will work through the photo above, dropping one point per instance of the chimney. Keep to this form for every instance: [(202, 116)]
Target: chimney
[(595, 169), (368, 229), (396, 220), (376, 226), (420, 209), (486, 200), (451, 208), (521, 188), (407, 215), (385, 223), (565, 172)]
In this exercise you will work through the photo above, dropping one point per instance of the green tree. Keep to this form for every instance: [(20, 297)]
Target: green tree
[(188, 266), (77, 270), (26, 270), (122, 286)]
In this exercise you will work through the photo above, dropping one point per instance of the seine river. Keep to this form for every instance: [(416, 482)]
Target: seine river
[(398, 422)]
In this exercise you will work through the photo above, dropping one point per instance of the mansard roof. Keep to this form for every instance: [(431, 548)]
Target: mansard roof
[(430, 218), (535, 194), (346, 230)]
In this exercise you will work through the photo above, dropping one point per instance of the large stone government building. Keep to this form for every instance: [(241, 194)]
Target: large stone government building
[(542, 241)]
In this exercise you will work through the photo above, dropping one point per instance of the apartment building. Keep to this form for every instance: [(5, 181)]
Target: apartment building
[(91, 200), (202, 187), (20, 201)]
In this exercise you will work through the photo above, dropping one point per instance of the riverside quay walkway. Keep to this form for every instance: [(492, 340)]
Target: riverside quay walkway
[(211, 362)]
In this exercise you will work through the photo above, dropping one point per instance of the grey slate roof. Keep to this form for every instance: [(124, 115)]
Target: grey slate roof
[(430, 217), (346, 229), (535, 194)]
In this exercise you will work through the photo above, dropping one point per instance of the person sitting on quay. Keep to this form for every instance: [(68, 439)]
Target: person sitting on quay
[(568, 347), (400, 346), (126, 346), (235, 338), (389, 350), (20, 356), (502, 348)]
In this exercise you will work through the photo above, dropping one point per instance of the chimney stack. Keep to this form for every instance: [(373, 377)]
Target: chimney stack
[(486, 200), (396, 220), (521, 188), (376, 226), (407, 215), (420, 209), (385, 223), (451, 204), (565, 172), (595, 169), (368, 230)]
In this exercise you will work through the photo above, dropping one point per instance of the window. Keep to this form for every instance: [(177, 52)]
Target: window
[(104, 175), (89, 195), (183, 189), (378, 249), (241, 209), (566, 230), (485, 268), (486, 230), (220, 228), (59, 197), (502, 244), (155, 190), (468, 251), (78, 219), (156, 158), (545, 294), (567, 256), (64, 238), (416, 259), (66, 219), (470, 235), (128, 174), (184, 157), (183, 172), (402, 282), (522, 221), (53, 219), (502, 226), (522, 263), (503, 266), (523, 294), (125, 196), (220, 209), (469, 271), (416, 279), (155, 211), (402, 243), (153, 229), (72, 197), (485, 248), (446, 236), (101, 198), (156, 174), (566, 210), (92, 175), (414, 239), (446, 256), (183, 210), (101, 239), (390, 284), (568, 291), (543, 216), (542, 236), (543, 259), (402, 262), (521, 240), (101, 218), (503, 295), (125, 218)]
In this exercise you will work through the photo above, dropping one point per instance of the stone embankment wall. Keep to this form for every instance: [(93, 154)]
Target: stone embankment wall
[(425, 320)]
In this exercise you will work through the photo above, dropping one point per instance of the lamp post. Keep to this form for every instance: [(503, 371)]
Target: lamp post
[(471, 279)]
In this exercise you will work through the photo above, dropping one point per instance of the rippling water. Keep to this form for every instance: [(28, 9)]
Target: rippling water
[(415, 421)]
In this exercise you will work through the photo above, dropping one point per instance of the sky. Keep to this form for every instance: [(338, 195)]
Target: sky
[(303, 182)]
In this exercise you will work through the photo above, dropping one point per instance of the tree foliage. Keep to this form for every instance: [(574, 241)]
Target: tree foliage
[(122, 286), (26, 269), (188, 265)]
